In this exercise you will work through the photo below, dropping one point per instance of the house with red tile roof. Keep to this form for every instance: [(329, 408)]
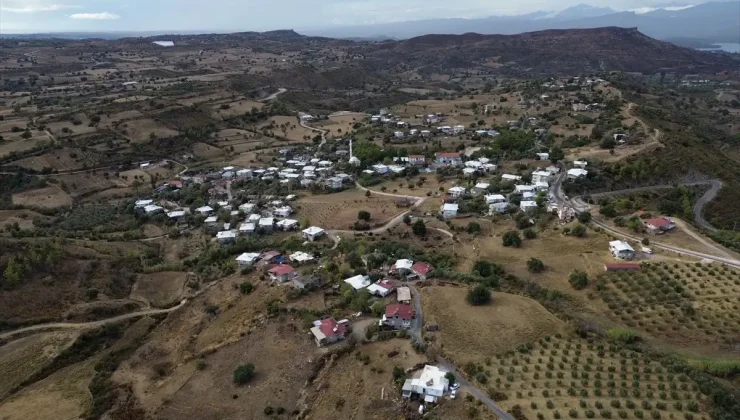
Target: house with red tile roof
[(398, 316), (328, 331), (422, 269), (281, 273), (448, 158), (659, 225)]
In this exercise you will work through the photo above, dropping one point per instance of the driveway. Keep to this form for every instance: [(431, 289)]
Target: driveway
[(472, 390)]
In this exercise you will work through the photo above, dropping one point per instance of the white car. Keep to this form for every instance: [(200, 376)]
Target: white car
[(455, 386), (647, 250), (453, 394)]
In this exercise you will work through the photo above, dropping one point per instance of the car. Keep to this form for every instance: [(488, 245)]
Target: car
[(455, 386), (647, 250), (453, 394)]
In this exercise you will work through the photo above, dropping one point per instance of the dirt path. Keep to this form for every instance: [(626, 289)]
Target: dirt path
[(93, 324), (274, 95)]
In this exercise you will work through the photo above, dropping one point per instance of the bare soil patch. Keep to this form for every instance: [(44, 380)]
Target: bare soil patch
[(339, 211), (160, 289), (140, 131), (50, 197)]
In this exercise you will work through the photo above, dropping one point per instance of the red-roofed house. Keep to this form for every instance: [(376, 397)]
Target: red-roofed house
[(175, 183), (417, 160), (398, 316), (659, 225), (421, 269), (281, 273), (448, 158), (328, 331), (381, 289)]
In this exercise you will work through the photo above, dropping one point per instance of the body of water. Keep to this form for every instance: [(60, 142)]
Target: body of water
[(732, 47)]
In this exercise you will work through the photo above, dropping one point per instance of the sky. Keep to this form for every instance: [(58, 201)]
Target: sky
[(40, 16)]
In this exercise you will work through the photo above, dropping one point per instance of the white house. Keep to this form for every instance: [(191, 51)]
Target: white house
[(177, 214), (205, 210), (335, 183), (153, 209), (576, 173), (287, 224), (247, 207), (621, 250), (247, 229), (313, 233), (247, 259), (495, 198), (266, 224), (244, 173), (226, 236), (458, 129), (456, 192), (490, 167), (381, 289), (283, 211), (431, 384), (540, 176), (469, 171), (253, 218), (498, 208), (528, 205), (358, 282), (543, 156), (541, 186), (380, 169), (301, 257), (580, 163), (140, 204), (449, 210), (480, 188), (524, 188), (509, 177), (399, 134)]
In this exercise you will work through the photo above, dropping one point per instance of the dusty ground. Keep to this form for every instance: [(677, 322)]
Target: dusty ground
[(293, 131), (139, 131), (470, 333), (24, 218), (351, 388), (160, 289), (339, 211), (206, 151), (20, 359), (48, 197)]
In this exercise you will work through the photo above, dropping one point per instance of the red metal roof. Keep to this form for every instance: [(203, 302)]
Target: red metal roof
[(385, 284), (659, 221), (330, 327), (421, 268), (400, 310), (281, 269)]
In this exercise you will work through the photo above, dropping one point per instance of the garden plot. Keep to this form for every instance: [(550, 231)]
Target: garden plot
[(564, 378), (680, 303)]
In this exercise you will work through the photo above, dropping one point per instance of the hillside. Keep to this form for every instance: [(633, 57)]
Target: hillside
[(555, 51)]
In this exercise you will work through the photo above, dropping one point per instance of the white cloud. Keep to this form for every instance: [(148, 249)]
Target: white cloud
[(95, 16), (34, 8)]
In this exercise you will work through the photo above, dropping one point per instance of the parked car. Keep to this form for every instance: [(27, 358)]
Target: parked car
[(455, 386), (453, 394), (647, 250)]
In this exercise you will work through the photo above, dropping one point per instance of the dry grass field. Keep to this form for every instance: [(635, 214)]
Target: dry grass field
[(469, 333), (575, 378), (14, 142), (352, 386), (235, 108), (160, 289), (339, 211), (85, 183), (293, 131), (206, 151), (50, 197), (60, 160), (140, 131), (687, 305), (24, 218), (21, 358)]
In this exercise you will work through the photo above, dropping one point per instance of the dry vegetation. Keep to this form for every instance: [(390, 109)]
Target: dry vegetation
[(339, 211)]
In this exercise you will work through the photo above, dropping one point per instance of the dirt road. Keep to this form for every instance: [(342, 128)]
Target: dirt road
[(472, 390), (93, 324)]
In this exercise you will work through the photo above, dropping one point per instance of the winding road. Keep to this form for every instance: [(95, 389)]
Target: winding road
[(580, 206), (93, 324)]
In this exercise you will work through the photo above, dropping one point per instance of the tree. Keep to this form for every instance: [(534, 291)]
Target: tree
[(483, 268), (419, 228), (12, 273), (479, 295), (363, 215), (578, 231), (556, 154), (378, 308), (246, 288), (367, 193), (451, 378), (645, 241), (584, 217), (578, 279), (511, 238), (473, 227), (529, 233), (407, 219), (243, 374), (535, 265)]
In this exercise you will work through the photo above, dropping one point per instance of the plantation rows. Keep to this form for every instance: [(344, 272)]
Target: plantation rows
[(559, 378), (691, 301)]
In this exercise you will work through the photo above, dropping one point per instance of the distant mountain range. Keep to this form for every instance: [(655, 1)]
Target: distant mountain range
[(708, 22)]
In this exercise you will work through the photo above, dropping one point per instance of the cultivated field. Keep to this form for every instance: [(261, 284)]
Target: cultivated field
[(49, 197), (575, 378), (339, 211), (470, 333), (688, 305)]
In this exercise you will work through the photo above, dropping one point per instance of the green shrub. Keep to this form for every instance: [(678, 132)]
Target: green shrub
[(243, 373), (578, 279), (246, 288), (535, 265), (511, 238), (479, 295), (623, 336)]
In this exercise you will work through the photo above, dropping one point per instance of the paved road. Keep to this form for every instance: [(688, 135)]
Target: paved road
[(580, 206), (715, 186), (474, 391), (94, 324)]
